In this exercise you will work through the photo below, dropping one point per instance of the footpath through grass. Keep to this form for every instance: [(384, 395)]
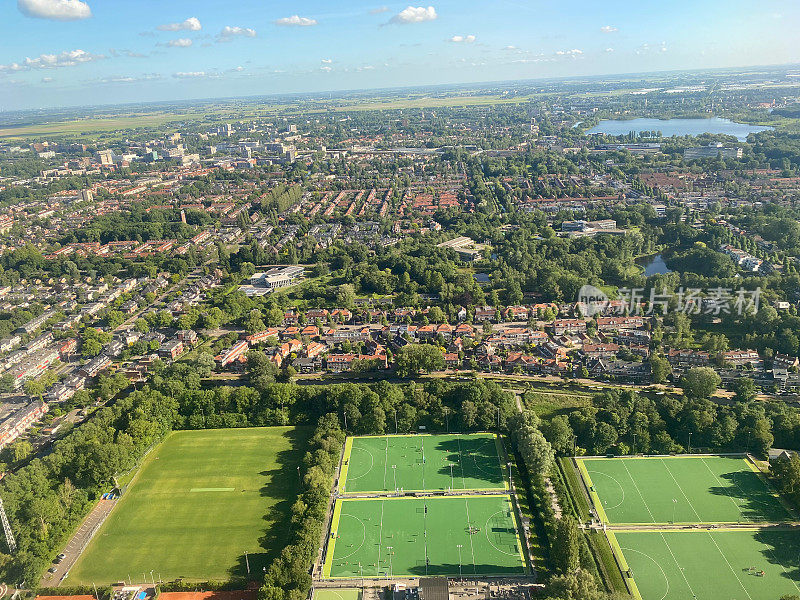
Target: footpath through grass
[(199, 502)]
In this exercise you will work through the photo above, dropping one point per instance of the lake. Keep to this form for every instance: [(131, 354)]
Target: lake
[(653, 265), (672, 127)]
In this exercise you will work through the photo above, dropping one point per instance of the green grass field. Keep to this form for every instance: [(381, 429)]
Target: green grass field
[(686, 489), (713, 565), (412, 537), (422, 462), (337, 594), (200, 501)]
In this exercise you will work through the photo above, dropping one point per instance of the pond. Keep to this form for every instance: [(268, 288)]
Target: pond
[(653, 265), (673, 127)]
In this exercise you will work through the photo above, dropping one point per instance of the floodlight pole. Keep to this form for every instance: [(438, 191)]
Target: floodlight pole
[(459, 561), (247, 562), (395, 421), (689, 451), (634, 443), (674, 504)]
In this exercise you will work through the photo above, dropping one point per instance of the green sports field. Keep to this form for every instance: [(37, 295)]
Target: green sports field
[(685, 489), (200, 501), (422, 463), (713, 565), (412, 537), (337, 594)]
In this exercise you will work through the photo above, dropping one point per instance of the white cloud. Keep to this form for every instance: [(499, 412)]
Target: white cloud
[(414, 14), (326, 68), (58, 10), (129, 78), (47, 79), (68, 58), (190, 74), (229, 32), (573, 53), (327, 61), (380, 10), (608, 29), (463, 39), (190, 24), (366, 68), (296, 21), (651, 48), (609, 49), (180, 43)]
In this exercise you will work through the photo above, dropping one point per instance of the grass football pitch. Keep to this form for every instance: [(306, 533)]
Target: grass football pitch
[(685, 489), (199, 501), (713, 565), (413, 537), (337, 594), (422, 463)]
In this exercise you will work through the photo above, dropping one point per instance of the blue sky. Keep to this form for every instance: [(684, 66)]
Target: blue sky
[(77, 52)]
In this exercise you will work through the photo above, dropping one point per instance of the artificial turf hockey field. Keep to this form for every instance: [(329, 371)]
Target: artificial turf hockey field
[(422, 463), (413, 537), (712, 564), (200, 500), (683, 489)]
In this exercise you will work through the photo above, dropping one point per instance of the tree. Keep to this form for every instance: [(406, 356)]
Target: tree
[(21, 450), (744, 389), (660, 368), (345, 295), (7, 382), (577, 585), (559, 433), (413, 359), (700, 382), (565, 546)]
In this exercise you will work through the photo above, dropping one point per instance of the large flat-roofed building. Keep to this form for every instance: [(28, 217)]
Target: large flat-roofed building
[(711, 151), (276, 277), (467, 249)]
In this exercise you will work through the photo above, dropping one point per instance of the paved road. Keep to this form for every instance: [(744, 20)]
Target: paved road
[(78, 543)]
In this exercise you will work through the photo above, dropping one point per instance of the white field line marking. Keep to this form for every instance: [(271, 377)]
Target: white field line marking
[(719, 483), (385, 462), (380, 541), (638, 491), (423, 470), (371, 463), (461, 464), (471, 546), (666, 579), (729, 565), (783, 569), (685, 497), (680, 569), (614, 479), (490, 541), (363, 539)]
